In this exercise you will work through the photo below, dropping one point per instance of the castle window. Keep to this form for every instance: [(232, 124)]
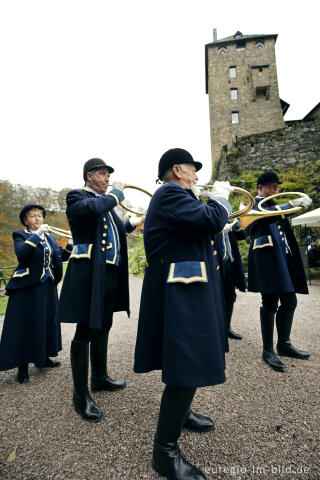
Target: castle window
[(233, 72), (241, 45), (222, 50), (263, 92), (259, 44), (234, 93), (235, 117)]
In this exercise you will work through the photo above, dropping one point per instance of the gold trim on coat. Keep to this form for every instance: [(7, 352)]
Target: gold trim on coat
[(196, 278)]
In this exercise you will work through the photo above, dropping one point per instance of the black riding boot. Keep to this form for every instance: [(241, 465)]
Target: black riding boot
[(198, 423), (267, 327), (285, 348), (98, 355), (167, 460), (83, 403), (231, 333), (23, 376)]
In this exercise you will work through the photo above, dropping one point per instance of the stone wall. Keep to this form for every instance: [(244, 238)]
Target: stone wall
[(279, 149)]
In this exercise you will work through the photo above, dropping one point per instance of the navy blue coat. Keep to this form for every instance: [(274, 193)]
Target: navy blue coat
[(82, 295), (181, 322), (236, 234), (30, 254), (270, 268), (30, 332)]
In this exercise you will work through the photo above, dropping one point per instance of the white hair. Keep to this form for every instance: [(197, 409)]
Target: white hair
[(169, 173)]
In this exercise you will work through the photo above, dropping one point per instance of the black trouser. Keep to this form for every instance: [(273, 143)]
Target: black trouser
[(175, 405), (288, 301), (83, 332), (229, 287)]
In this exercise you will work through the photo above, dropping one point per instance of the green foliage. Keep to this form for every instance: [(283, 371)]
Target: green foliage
[(3, 304), (314, 273), (303, 177), (137, 256)]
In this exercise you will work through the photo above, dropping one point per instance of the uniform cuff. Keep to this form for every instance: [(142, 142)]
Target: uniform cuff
[(69, 247), (224, 202), (117, 194), (33, 240)]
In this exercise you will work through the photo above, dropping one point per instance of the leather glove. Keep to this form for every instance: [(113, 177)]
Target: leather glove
[(227, 228), (135, 220), (303, 202), (44, 228), (220, 189), (118, 186)]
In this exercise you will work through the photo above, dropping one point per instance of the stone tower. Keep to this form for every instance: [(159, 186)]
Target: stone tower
[(241, 80)]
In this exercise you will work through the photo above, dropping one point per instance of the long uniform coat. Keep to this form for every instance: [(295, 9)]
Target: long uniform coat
[(30, 332), (238, 277), (82, 298), (181, 322), (274, 264)]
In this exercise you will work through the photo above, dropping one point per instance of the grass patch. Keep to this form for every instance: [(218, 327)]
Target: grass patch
[(3, 304)]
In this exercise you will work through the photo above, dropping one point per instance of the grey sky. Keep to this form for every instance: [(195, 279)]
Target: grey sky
[(125, 80)]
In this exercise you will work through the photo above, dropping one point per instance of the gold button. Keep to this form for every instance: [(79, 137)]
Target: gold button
[(103, 249), (279, 227), (212, 242), (104, 234), (218, 268), (104, 219), (215, 252), (281, 233), (282, 239), (105, 226), (103, 241)]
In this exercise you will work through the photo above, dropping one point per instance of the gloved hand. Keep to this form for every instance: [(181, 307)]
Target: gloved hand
[(44, 228), (303, 202), (135, 220), (227, 228), (220, 189), (118, 186)]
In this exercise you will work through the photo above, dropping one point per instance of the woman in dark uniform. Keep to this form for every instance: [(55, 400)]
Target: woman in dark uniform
[(30, 332)]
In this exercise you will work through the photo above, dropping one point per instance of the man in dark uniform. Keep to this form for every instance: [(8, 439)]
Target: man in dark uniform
[(313, 253), (232, 271), (181, 322), (275, 270), (96, 281)]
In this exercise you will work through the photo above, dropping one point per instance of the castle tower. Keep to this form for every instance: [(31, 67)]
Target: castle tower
[(241, 80)]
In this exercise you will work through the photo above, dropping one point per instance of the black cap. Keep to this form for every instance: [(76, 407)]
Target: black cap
[(268, 177), (175, 156), (27, 208), (95, 164)]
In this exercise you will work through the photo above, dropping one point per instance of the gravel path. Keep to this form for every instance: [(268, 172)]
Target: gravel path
[(267, 423)]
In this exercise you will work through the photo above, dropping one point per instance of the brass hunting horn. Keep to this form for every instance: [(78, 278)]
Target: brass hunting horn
[(232, 216), (138, 230), (254, 215), (244, 208), (59, 231)]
